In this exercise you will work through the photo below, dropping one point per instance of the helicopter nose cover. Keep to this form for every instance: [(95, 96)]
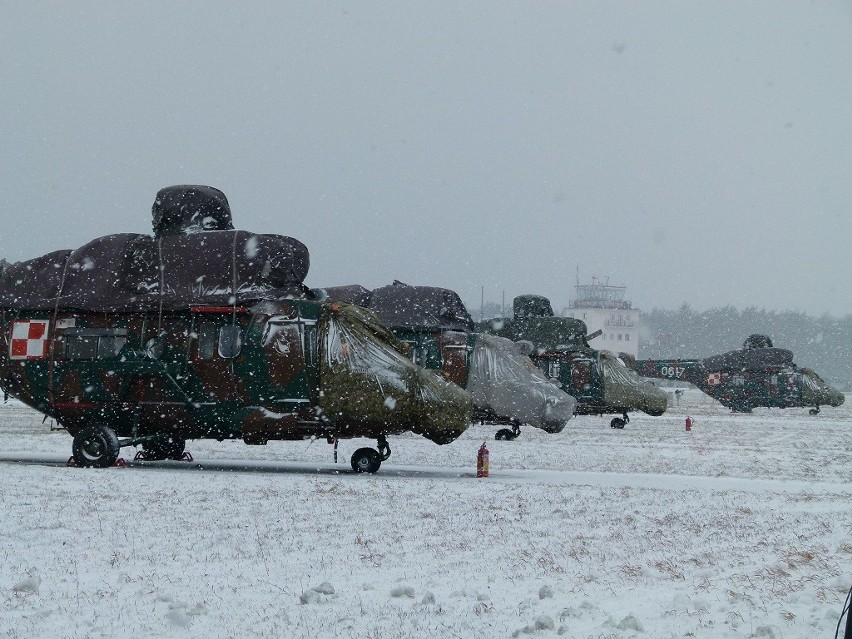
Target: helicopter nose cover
[(817, 393), (366, 381), (624, 387), (505, 381)]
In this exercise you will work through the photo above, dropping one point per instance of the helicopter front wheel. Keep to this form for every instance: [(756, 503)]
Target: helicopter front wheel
[(620, 422), (814, 411), (366, 460), (95, 447)]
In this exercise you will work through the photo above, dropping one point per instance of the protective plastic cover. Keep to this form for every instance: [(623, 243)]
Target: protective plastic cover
[(816, 391), (366, 380), (506, 382), (624, 387)]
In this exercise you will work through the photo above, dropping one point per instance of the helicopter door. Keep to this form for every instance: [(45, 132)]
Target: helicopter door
[(581, 378), (773, 385), (290, 348), (454, 355), (157, 383), (217, 342)]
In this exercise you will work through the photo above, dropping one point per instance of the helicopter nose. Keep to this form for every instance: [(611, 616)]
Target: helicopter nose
[(816, 391)]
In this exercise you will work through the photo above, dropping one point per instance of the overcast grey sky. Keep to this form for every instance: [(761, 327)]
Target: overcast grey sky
[(696, 152)]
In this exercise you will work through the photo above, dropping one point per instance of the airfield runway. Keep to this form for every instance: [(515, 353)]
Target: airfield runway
[(741, 527)]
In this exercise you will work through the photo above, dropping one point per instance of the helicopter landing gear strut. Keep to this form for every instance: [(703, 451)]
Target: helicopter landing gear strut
[(814, 411), (508, 434), (368, 460), (619, 422)]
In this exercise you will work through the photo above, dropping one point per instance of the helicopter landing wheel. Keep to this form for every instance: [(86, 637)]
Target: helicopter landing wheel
[(509, 434), (814, 411), (617, 422), (95, 447), (366, 460)]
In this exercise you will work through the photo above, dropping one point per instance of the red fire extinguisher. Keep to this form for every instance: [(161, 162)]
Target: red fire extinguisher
[(688, 422), (482, 463)]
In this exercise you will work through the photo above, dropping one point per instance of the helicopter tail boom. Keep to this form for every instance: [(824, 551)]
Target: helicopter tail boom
[(685, 370)]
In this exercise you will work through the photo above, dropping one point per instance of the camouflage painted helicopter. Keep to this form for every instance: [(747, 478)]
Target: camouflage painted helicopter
[(507, 388), (756, 375), (203, 331), (599, 380)]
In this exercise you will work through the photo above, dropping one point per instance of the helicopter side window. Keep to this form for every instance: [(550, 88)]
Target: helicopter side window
[(207, 335), (94, 343), (110, 345), (81, 347), (284, 338), (230, 341), (553, 368), (311, 339), (580, 374)]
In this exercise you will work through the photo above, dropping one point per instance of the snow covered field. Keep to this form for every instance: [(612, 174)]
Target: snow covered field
[(740, 528)]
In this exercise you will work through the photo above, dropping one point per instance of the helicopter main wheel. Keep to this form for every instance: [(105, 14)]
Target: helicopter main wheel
[(617, 422), (509, 434), (366, 460), (95, 447), (164, 448), (814, 411)]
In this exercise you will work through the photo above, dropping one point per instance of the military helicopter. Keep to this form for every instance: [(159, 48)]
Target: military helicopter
[(756, 375), (599, 380), (507, 388), (203, 331)]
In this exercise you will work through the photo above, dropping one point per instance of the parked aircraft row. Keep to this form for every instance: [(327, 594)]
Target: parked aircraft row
[(204, 331)]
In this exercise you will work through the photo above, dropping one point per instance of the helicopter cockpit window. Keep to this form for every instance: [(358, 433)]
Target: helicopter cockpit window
[(284, 338), (230, 341), (93, 343)]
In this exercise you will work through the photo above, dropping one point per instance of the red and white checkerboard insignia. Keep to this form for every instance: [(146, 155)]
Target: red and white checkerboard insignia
[(714, 378), (29, 339)]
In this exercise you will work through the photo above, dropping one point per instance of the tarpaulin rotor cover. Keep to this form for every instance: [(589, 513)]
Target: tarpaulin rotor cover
[(130, 272), (195, 257), (401, 305)]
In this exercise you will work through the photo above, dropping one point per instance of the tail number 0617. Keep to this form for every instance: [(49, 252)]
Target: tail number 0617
[(672, 371)]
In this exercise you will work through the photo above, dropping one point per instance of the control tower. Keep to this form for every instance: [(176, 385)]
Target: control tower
[(603, 307)]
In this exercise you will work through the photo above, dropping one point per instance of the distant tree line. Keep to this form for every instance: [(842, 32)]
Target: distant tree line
[(823, 344)]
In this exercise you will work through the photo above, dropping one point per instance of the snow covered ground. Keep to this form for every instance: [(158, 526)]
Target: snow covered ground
[(740, 528)]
